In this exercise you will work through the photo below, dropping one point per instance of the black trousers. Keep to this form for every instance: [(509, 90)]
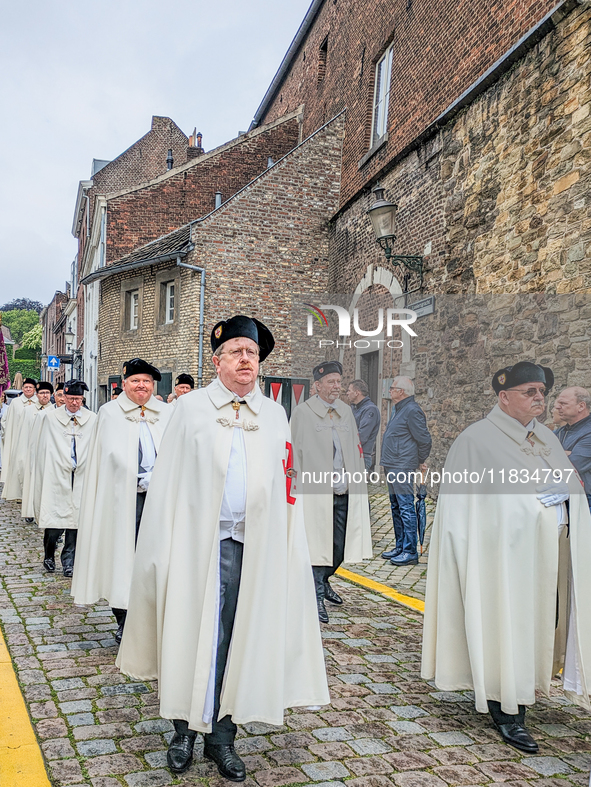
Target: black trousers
[(500, 717), (50, 537), (224, 730), (340, 509), (120, 614)]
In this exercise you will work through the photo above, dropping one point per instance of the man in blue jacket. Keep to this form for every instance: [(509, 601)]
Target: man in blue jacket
[(367, 418), (574, 406), (405, 447)]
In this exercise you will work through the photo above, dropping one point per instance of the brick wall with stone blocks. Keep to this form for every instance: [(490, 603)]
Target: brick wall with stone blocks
[(267, 243), (440, 49), (185, 193)]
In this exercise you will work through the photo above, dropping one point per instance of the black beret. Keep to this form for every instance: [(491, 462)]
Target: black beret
[(185, 379), (29, 381), (139, 366), (59, 387), (522, 372), (75, 388), (43, 385), (239, 327), (328, 367)]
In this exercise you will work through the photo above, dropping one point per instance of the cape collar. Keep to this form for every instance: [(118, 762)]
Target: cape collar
[(220, 396), (153, 404), (515, 430), (82, 416), (320, 407)]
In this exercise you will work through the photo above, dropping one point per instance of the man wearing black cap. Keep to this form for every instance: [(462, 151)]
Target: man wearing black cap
[(29, 435), (503, 541), (117, 391), (331, 477), (222, 560), (122, 456), (60, 465), (183, 384), (12, 448)]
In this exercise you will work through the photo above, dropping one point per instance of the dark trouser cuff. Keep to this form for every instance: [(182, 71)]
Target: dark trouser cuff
[(499, 717), (223, 732)]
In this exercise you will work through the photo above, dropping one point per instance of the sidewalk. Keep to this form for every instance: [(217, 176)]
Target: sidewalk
[(384, 728)]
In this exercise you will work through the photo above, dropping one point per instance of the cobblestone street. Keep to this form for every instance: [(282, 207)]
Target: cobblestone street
[(385, 726)]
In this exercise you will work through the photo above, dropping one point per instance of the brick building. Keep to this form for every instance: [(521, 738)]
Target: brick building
[(249, 255), (475, 117), (54, 321)]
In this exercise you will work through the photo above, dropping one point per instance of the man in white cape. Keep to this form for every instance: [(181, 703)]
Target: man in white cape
[(331, 478), (503, 544), (222, 605), (13, 451), (60, 464), (122, 455), (29, 435)]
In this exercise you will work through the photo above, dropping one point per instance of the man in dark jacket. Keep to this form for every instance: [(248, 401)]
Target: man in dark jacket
[(405, 447), (574, 407), (367, 418)]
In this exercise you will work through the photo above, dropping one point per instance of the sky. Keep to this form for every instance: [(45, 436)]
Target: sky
[(81, 80)]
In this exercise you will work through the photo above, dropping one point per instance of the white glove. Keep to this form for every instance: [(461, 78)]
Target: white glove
[(553, 494)]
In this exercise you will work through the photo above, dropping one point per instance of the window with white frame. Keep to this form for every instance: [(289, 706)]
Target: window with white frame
[(134, 309), (169, 303), (381, 96)]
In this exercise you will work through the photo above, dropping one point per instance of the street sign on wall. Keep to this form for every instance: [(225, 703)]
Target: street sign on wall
[(53, 362)]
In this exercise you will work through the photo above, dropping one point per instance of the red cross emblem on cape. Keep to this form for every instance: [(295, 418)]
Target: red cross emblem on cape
[(290, 473)]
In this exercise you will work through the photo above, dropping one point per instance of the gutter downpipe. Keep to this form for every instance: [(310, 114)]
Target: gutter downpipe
[(201, 314)]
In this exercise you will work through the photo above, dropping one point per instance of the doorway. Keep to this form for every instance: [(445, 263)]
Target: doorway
[(369, 365)]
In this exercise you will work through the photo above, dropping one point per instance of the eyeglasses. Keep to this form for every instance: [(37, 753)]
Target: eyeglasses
[(395, 388), (529, 392), (238, 353)]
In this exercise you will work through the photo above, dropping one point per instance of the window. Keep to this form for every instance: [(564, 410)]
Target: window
[(169, 303), (381, 96), (322, 56), (134, 309)]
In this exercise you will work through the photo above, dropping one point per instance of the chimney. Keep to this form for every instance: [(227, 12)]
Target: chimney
[(195, 149)]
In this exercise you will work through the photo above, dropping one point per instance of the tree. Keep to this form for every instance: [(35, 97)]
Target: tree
[(20, 321), (20, 304), (32, 338)]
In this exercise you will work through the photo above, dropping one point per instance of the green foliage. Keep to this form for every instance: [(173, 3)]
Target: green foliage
[(26, 368), (9, 351), (24, 354), (32, 339), (20, 321)]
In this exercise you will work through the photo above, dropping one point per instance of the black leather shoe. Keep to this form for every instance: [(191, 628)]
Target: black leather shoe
[(180, 752), (49, 564), (29, 519), (517, 736), (405, 559), (229, 763), (392, 553), (119, 632), (322, 613), (68, 571), (331, 595)]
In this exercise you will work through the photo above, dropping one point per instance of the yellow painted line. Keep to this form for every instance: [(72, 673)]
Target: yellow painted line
[(21, 761), (378, 587)]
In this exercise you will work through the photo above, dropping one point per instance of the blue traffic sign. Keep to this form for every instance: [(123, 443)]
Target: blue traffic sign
[(53, 362)]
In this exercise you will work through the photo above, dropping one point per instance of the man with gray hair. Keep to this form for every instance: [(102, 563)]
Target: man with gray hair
[(573, 406), (405, 447), (367, 418)]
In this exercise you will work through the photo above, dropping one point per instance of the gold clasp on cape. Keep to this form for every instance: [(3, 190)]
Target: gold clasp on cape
[(236, 408)]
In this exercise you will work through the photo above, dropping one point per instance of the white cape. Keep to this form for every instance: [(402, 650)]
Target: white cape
[(313, 454), (105, 550), (275, 659), (13, 451), (56, 502), (30, 431), (495, 563)]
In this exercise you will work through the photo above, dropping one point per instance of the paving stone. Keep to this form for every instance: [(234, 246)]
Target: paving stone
[(80, 719), (451, 738), (458, 774), (252, 745), (581, 762), (448, 696), (417, 779), (506, 771), (58, 748), (408, 711), (303, 721), (149, 778), (325, 770), (354, 677), (406, 727), (156, 759), (546, 766), (76, 706), (67, 683), (555, 730), (96, 747), (375, 658), (455, 756), (124, 688), (118, 714), (290, 756), (155, 725), (375, 780), (382, 688), (66, 771), (332, 751), (365, 746), (409, 761), (118, 730), (111, 764), (259, 728), (278, 776), (358, 643), (492, 751), (368, 766), (51, 728), (300, 739)]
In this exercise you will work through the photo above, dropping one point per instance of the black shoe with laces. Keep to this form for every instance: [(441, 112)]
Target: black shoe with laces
[(331, 595), (180, 752), (229, 763), (49, 564)]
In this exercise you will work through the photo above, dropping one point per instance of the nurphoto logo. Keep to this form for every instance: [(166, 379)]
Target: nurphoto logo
[(394, 317)]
